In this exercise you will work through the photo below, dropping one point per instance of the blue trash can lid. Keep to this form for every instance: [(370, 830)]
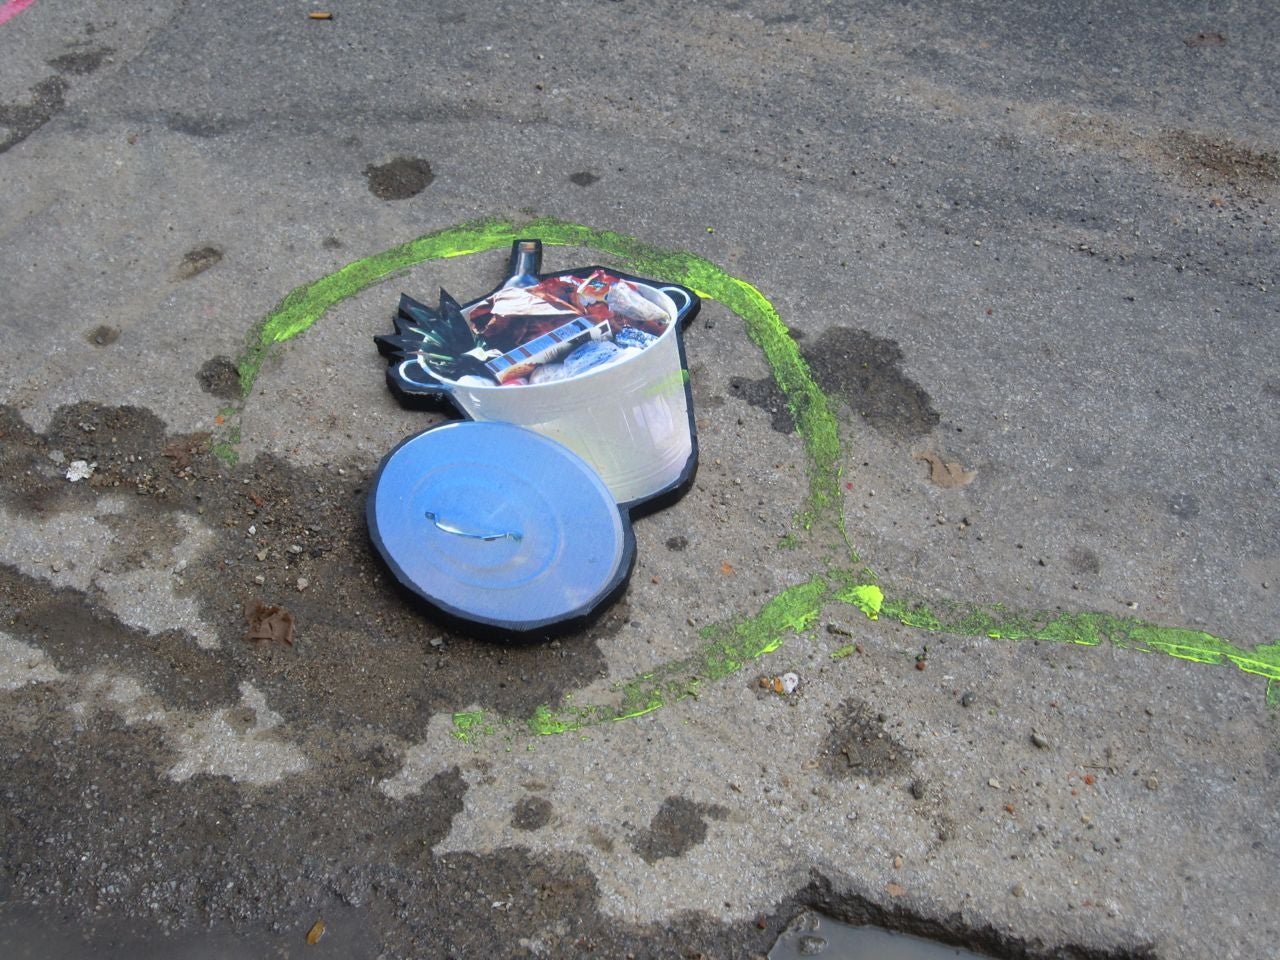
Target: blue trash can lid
[(500, 527)]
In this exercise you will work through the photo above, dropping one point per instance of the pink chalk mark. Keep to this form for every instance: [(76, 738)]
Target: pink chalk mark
[(11, 8)]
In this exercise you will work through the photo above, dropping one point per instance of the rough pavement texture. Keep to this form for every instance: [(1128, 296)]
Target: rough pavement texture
[(1035, 244)]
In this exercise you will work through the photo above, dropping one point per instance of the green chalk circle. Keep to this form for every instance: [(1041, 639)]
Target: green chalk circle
[(727, 648)]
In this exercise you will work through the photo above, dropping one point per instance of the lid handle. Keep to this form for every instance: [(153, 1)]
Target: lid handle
[(447, 527)]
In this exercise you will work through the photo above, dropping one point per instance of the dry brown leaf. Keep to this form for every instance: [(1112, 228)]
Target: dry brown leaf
[(945, 473), (269, 624), (1206, 38), (726, 568), (315, 933)]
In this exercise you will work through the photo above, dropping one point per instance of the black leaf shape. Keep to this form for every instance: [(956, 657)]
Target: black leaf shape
[(441, 338)]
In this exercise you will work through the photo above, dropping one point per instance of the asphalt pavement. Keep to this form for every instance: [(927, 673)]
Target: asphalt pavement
[(985, 389)]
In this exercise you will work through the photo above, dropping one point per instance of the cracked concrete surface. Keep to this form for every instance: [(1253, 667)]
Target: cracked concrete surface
[(1034, 241)]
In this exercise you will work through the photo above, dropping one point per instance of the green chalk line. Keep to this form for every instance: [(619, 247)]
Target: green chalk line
[(1087, 629), (730, 647), (727, 648)]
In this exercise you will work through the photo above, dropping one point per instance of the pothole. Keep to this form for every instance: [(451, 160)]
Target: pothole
[(816, 935)]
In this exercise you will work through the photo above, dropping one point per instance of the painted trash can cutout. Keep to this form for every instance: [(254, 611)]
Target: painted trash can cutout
[(516, 521)]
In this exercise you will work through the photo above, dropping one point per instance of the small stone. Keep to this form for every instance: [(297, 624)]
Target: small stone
[(1152, 783), (436, 642), (1018, 890), (1039, 740), (262, 554), (917, 789), (897, 862), (80, 470), (259, 579), (303, 583), (967, 698), (295, 549), (993, 782), (790, 682), (56, 566)]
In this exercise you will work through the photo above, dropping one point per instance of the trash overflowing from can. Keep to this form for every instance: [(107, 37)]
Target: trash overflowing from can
[(516, 521)]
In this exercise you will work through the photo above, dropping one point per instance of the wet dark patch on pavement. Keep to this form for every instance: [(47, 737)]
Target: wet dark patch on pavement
[(866, 372), (1184, 506), (81, 638), (860, 746), (679, 825), (766, 395), (207, 854), (201, 850), (863, 371), (583, 179), (531, 813), (361, 656), (1083, 560), (48, 98), (331, 243), (400, 178), (197, 261), (220, 376), (678, 542), (1218, 161), (103, 335), (81, 62)]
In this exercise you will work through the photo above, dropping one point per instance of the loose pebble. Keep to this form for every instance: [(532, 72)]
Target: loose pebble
[(1018, 890), (993, 782), (303, 583), (967, 698), (1039, 740), (1152, 783)]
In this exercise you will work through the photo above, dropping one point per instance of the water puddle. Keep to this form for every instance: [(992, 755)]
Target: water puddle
[(815, 935)]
